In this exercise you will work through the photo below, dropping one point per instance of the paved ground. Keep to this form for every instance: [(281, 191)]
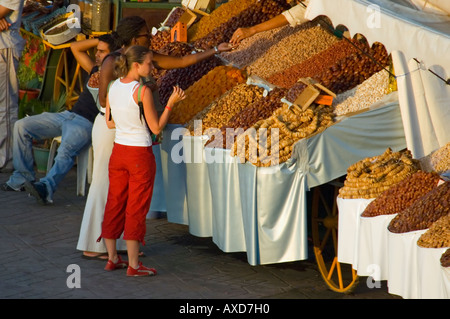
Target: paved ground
[(38, 245)]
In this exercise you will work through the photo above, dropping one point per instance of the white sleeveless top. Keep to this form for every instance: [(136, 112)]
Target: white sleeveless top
[(130, 130)]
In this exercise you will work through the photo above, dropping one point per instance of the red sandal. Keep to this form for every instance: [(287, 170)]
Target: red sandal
[(120, 264), (141, 271)]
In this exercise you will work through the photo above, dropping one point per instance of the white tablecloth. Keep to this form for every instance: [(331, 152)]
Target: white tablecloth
[(174, 174), (227, 224), (350, 211), (198, 192), (431, 276)]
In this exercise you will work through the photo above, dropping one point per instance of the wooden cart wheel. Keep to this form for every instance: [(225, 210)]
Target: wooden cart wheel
[(324, 222)]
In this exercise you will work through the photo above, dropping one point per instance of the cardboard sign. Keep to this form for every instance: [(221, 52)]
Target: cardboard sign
[(178, 32)]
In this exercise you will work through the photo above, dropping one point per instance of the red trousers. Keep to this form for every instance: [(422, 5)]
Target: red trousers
[(131, 175)]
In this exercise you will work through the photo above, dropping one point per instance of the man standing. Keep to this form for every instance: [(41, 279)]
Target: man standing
[(11, 46)]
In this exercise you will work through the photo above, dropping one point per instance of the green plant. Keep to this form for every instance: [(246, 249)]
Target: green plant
[(28, 107)]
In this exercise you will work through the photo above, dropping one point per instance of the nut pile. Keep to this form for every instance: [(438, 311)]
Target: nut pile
[(424, 211), (258, 110), (309, 40), (255, 46), (445, 258), (203, 92), (339, 68), (222, 110), (159, 40), (438, 161), (275, 136), (256, 13), (401, 195), (438, 235), (314, 65), (364, 95), (220, 15), (371, 176), (184, 77)]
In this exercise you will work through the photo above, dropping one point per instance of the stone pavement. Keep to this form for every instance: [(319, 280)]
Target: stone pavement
[(38, 245)]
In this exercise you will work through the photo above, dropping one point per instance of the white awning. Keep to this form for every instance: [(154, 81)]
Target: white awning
[(398, 24), (410, 33)]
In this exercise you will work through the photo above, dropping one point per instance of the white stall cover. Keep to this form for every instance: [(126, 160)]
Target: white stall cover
[(419, 40)]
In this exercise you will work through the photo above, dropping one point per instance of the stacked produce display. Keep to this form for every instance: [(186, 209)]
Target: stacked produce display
[(246, 100), (372, 176)]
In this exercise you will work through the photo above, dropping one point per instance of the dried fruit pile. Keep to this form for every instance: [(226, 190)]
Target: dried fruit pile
[(402, 195), (270, 141), (341, 67), (445, 258), (423, 212), (254, 112), (220, 15), (159, 40), (256, 13), (371, 176), (438, 235), (224, 108), (185, 77), (200, 94), (176, 49)]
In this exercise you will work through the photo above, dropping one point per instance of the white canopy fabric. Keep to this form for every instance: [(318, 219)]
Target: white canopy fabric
[(419, 41)]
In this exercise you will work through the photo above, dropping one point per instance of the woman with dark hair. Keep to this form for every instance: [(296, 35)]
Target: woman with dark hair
[(130, 31)]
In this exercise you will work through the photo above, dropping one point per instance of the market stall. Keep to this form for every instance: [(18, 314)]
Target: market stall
[(366, 242), (245, 204)]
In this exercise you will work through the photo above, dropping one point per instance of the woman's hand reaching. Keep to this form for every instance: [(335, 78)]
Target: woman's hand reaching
[(177, 95)]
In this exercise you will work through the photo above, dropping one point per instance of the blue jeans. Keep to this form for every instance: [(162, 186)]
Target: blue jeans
[(75, 132)]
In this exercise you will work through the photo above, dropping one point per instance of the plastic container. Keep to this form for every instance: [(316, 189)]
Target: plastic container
[(101, 10)]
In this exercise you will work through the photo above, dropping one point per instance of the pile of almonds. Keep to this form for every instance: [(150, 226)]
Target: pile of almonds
[(424, 211), (402, 195), (438, 235), (372, 176)]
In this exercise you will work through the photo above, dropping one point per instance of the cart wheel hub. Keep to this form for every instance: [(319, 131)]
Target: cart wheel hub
[(330, 222)]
